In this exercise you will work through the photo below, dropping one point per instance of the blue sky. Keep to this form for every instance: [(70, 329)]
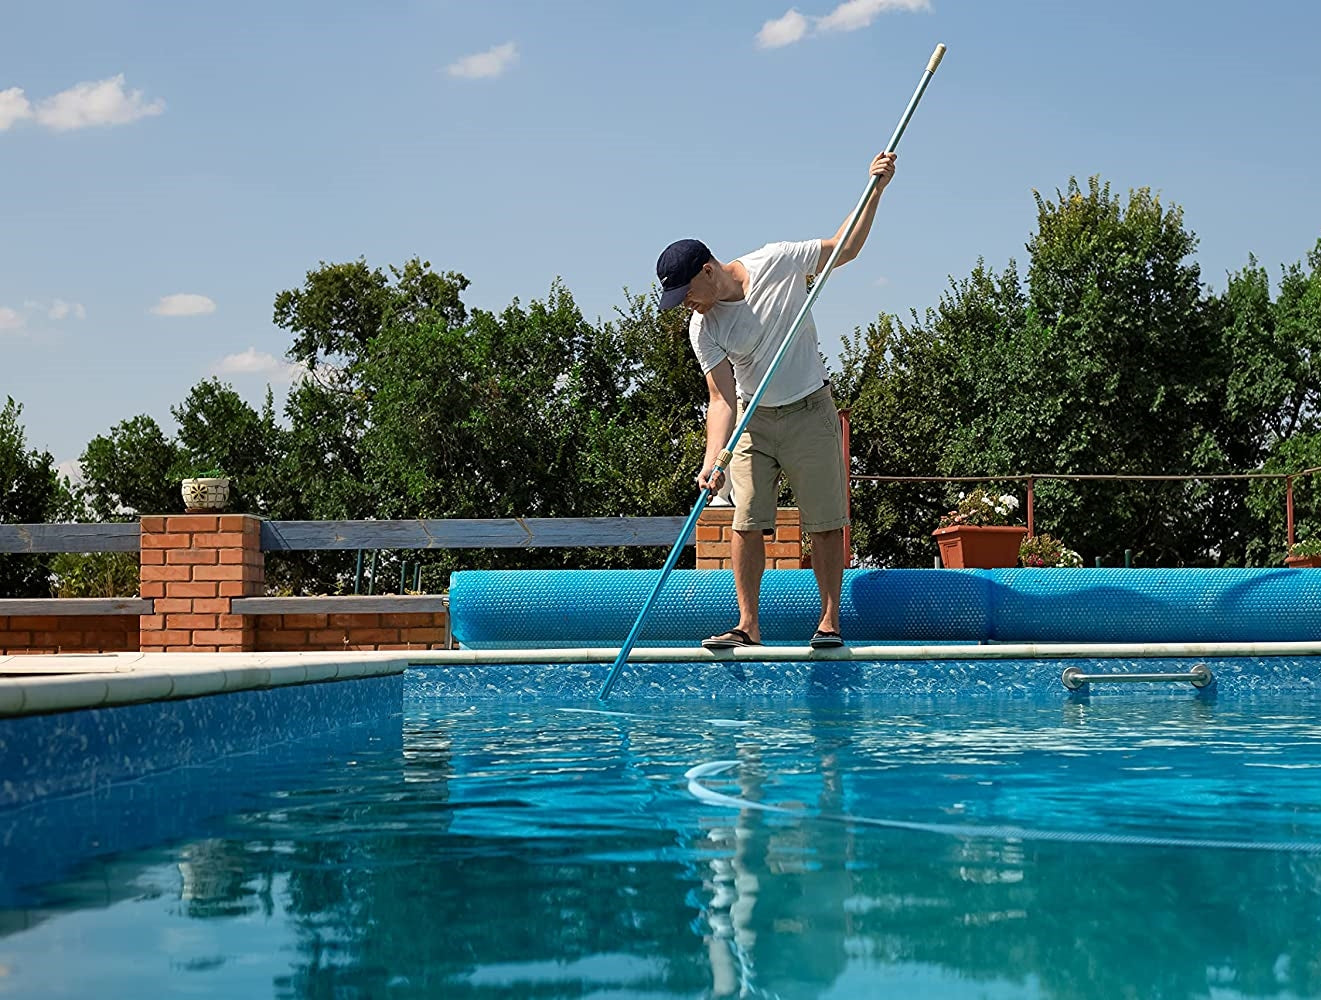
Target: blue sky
[(167, 168)]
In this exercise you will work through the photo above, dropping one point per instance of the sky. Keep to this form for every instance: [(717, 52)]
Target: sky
[(166, 169)]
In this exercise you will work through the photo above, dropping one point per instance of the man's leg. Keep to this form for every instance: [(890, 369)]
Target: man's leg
[(755, 473), (748, 549), (813, 458), (828, 566)]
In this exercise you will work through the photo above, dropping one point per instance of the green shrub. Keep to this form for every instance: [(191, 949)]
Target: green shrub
[(1043, 551), (95, 574)]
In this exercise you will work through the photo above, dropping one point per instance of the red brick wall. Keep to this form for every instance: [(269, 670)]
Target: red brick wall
[(194, 565), (68, 633), (417, 630), (715, 531)]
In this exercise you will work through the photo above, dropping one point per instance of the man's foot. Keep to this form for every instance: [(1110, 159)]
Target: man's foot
[(729, 640), (826, 639)]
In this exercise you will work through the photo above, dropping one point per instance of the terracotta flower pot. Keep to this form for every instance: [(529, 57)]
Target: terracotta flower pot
[(967, 547), (1302, 562)]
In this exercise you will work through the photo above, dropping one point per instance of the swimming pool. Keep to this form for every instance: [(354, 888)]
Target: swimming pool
[(487, 847)]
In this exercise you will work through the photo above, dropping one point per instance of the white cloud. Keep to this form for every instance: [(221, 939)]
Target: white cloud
[(854, 14), (254, 362), (782, 31), (63, 310), (484, 65), (14, 107), (847, 16), (184, 304), (103, 102), (72, 469), (10, 319)]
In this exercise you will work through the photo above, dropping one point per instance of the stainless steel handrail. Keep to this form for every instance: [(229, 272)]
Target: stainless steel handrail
[(449, 622), (1199, 676)]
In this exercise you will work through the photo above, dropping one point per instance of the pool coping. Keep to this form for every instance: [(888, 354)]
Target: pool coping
[(32, 684), (868, 653), (71, 681)]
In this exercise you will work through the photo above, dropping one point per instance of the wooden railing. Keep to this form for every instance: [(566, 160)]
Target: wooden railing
[(203, 580), (463, 533), (115, 537), (457, 533)]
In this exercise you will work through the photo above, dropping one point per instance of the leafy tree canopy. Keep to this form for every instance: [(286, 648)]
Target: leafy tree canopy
[(32, 491), (1113, 359), (1106, 355)]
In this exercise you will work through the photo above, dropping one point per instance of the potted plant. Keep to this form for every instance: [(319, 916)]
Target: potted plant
[(1042, 551), (206, 492), (1305, 554), (977, 533)]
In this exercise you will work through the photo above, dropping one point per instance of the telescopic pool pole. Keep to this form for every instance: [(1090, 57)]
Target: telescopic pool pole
[(723, 460)]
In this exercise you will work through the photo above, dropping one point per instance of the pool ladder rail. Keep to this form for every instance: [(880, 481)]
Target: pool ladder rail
[(1074, 679)]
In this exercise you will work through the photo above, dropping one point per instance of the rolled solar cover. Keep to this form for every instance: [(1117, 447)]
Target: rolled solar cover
[(514, 609), (1154, 605), (535, 609)]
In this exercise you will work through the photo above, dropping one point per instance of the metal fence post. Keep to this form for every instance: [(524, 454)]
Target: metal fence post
[(1030, 532), (1288, 511)]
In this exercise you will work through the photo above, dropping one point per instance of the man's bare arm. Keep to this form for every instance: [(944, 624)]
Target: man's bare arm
[(721, 415), (882, 167)]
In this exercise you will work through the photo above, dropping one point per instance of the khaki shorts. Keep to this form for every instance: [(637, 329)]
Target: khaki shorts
[(803, 439)]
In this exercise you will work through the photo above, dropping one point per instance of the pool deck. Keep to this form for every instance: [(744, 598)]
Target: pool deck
[(36, 684)]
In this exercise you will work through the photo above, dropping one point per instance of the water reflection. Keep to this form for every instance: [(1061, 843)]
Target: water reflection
[(518, 852)]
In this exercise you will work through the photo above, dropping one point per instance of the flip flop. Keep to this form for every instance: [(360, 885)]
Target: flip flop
[(729, 640), (824, 639)]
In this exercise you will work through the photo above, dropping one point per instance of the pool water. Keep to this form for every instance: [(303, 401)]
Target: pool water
[(860, 848)]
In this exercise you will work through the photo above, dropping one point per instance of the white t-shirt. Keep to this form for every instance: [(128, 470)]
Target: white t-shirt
[(749, 332)]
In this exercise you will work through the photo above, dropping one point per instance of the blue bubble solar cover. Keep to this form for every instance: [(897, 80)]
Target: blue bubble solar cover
[(526, 609)]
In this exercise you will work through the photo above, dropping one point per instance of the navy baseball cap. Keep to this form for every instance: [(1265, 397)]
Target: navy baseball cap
[(678, 265)]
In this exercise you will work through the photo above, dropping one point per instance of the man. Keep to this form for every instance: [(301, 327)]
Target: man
[(742, 312)]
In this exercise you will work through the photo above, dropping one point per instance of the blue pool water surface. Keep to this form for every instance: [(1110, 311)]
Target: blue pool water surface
[(860, 847)]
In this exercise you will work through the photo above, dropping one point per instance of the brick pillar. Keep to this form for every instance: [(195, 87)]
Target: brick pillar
[(715, 530), (193, 566)]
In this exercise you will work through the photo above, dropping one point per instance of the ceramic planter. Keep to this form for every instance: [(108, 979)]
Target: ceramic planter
[(967, 547), (206, 495), (1303, 562)]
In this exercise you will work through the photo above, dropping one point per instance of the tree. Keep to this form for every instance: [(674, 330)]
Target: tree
[(335, 318), (218, 429), (1276, 391), (415, 406), (646, 444), (946, 395), (1130, 352), (342, 308), (1111, 362), (32, 491), (131, 471), (532, 412)]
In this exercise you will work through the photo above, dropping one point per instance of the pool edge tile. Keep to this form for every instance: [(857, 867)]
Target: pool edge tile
[(62, 694)]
